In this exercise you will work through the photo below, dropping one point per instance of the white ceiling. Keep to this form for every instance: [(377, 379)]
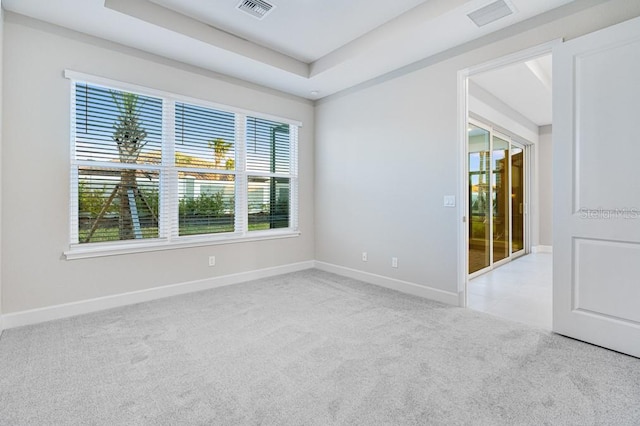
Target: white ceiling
[(309, 48), (303, 29), (525, 87)]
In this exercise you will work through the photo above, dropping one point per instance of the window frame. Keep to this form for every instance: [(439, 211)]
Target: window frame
[(168, 233)]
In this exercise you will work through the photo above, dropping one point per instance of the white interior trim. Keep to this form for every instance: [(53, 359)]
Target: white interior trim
[(34, 316), (66, 310), (463, 117), (149, 91), (521, 56), (85, 251), (542, 249), (463, 185), (169, 237), (391, 283)]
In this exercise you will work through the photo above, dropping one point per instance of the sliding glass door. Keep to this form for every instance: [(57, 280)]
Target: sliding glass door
[(517, 199), (496, 198), (479, 199), (501, 198)]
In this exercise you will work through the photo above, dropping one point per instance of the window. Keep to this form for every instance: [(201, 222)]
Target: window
[(150, 169), (205, 162), (268, 170)]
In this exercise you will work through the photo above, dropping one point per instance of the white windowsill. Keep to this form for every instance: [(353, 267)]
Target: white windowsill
[(84, 251)]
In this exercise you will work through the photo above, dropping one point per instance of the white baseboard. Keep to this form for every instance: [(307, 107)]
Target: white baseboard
[(447, 297), (34, 316), (542, 249), (49, 313)]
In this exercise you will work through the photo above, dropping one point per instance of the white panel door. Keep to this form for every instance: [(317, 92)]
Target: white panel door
[(596, 140)]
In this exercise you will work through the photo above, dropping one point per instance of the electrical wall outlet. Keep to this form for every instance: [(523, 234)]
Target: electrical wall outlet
[(212, 261), (365, 258), (394, 262)]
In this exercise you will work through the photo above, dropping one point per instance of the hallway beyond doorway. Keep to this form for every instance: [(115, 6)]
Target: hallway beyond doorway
[(520, 291)]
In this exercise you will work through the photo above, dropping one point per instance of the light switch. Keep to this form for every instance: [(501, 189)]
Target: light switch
[(449, 200)]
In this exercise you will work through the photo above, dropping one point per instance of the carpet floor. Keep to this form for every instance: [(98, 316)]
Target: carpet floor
[(308, 348)]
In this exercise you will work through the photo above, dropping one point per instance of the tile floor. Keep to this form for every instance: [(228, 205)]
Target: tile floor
[(519, 291)]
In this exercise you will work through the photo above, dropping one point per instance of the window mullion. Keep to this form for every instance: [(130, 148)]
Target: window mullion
[(203, 170), (73, 191), (169, 187), (293, 186), (117, 165), (268, 175), (241, 225)]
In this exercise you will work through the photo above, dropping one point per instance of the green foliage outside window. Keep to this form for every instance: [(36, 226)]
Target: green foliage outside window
[(203, 205)]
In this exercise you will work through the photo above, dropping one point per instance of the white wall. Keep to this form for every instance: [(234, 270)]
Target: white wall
[(385, 157), (490, 109), (545, 185), (386, 154), (35, 171)]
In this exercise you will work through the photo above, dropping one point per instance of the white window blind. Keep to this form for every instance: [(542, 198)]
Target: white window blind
[(205, 162), (118, 140), (158, 169), (268, 173)]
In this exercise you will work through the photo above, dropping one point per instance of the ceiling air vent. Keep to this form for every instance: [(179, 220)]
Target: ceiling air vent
[(490, 13), (256, 8)]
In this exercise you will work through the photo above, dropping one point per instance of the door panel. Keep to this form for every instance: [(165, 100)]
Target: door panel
[(619, 301), (501, 199), (479, 199), (517, 199), (596, 188), (608, 94)]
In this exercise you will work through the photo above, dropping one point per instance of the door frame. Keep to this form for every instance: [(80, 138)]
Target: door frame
[(463, 172)]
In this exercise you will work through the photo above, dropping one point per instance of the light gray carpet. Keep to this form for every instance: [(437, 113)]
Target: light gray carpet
[(308, 348)]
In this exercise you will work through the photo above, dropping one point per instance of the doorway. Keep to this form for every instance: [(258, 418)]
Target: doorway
[(496, 203), (499, 191)]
